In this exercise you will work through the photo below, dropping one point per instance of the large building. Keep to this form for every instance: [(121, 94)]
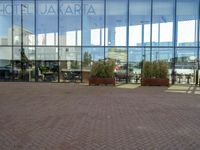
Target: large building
[(62, 38)]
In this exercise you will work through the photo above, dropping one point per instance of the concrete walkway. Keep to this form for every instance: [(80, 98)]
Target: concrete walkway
[(45, 116)]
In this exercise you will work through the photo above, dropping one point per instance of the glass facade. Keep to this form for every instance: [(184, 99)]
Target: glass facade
[(59, 40)]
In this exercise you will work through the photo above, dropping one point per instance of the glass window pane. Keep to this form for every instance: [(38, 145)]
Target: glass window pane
[(6, 24), (187, 20), (70, 64), (166, 34), (47, 64), (140, 19), (186, 64), (24, 64), (93, 23), (23, 19), (95, 36), (47, 53), (47, 71), (5, 56), (70, 23), (135, 56), (164, 54), (70, 54), (116, 22), (162, 27), (5, 63), (29, 51), (146, 54), (135, 35), (90, 55), (47, 22), (119, 54)]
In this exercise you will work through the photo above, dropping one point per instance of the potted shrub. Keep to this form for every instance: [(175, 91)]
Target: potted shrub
[(155, 74), (102, 72)]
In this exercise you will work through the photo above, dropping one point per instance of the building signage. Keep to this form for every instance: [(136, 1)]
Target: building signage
[(5, 9), (66, 9)]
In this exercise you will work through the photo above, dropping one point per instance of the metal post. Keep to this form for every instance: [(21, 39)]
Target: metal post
[(173, 74), (36, 67), (127, 43), (22, 70), (22, 26), (198, 26), (82, 41), (151, 28), (58, 40), (143, 51), (12, 20)]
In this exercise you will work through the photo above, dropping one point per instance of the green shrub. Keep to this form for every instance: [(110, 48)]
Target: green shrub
[(103, 69), (155, 69), (147, 69), (163, 66)]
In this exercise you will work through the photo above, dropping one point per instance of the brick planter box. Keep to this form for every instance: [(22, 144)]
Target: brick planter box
[(98, 81), (154, 82)]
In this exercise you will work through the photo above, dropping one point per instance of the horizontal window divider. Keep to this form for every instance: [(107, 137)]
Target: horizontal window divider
[(93, 46), (46, 46), (150, 46), (70, 46), (23, 46), (186, 47), (162, 47), (116, 46), (101, 46), (6, 46)]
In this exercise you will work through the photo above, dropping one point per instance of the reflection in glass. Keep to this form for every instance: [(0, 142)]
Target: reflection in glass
[(6, 24), (47, 64), (135, 64), (47, 22), (140, 19), (89, 56), (120, 56), (163, 54), (186, 64), (70, 64), (63, 38), (187, 19), (27, 18), (93, 23), (70, 23), (5, 63), (24, 64), (162, 27), (116, 22)]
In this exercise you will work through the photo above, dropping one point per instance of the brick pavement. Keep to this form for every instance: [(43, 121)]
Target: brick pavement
[(45, 116)]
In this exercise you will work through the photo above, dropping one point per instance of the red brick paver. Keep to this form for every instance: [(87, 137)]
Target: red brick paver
[(45, 116)]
